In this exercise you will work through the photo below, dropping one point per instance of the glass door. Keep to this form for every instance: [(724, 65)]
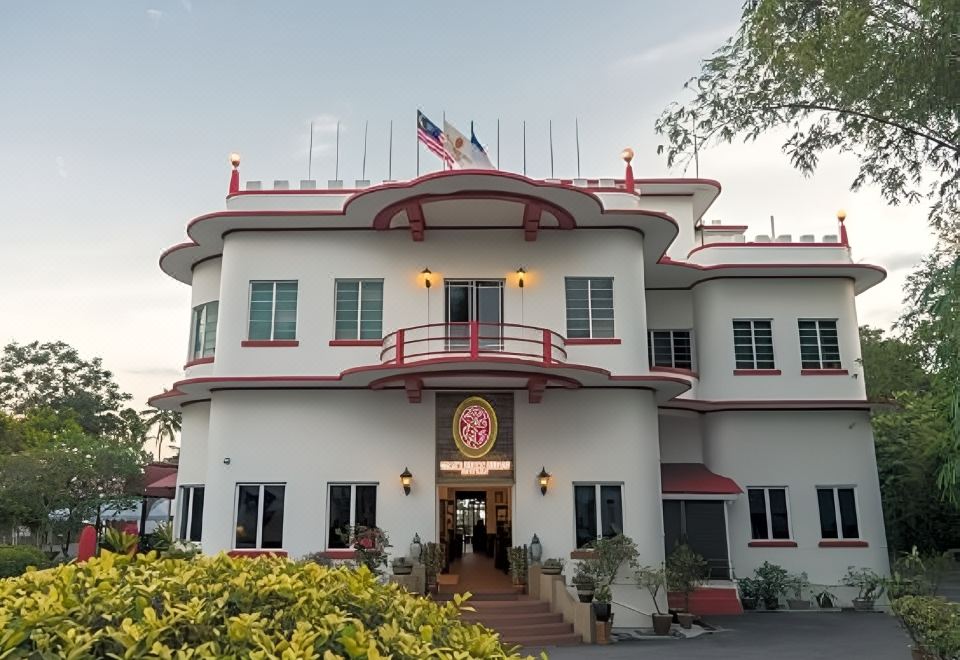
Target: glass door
[(474, 300)]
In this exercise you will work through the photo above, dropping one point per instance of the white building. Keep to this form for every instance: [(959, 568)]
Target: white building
[(673, 378)]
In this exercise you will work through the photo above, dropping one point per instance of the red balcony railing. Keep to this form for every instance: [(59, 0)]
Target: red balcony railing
[(473, 341)]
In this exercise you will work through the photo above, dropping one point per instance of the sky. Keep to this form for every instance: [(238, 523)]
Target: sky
[(117, 116)]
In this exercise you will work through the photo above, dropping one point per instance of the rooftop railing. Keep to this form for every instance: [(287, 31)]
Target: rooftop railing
[(473, 340)]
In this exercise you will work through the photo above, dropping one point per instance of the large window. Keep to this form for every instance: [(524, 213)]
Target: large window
[(589, 307), (204, 330), (670, 348), (838, 513), (348, 506), (259, 520), (769, 515), (819, 348), (595, 503), (191, 512), (359, 309), (753, 343), (273, 310)]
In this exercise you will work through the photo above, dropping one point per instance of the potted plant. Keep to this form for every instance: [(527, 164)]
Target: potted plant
[(825, 599), (402, 566), (869, 585), (654, 580), (433, 559), (749, 592), (584, 583), (796, 584), (686, 570), (517, 556), (772, 583), (602, 603), (552, 566)]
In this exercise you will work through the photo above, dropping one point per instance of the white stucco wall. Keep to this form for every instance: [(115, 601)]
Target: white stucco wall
[(681, 210), (681, 439), (718, 302), (800, 451)]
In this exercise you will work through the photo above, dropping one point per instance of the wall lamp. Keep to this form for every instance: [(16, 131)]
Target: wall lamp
[(226, 461), (426, 277), (544, 480), (406, 480), (520, 273)]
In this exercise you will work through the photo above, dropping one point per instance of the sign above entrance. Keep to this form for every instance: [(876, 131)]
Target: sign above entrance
[(475, 468), (475, 427)]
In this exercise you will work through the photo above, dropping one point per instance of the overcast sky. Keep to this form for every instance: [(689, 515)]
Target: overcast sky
[(116, 118)]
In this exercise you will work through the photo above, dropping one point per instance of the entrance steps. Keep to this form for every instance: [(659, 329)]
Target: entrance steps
[(520, 621)]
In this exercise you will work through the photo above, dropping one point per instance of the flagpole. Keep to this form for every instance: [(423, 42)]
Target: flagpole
[(524, 147), (390, 155), (310, 155), (418, 145), (363, 169), (498, 143), (444, 135), (576, 125), (336, 167), (551, 148)]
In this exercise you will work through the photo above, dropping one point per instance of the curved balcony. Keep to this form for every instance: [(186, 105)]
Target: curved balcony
[(473, 340)]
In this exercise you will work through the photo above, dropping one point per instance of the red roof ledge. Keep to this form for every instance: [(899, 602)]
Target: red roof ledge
[(696, 479)]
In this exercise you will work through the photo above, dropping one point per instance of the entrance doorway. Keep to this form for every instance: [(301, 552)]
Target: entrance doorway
[(474, 300), (475, 527), (702, 525)]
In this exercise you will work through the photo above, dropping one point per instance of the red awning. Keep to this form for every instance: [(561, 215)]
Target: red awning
[(695, 479), (160, 480)]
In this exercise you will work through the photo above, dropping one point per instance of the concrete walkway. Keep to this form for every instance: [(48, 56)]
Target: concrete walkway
[(761, 636), (950, 587)]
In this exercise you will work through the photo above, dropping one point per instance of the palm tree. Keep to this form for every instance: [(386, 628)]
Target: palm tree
[(167, 423)]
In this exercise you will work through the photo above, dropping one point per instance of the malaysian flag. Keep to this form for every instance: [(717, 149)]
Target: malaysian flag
[(431, 135)]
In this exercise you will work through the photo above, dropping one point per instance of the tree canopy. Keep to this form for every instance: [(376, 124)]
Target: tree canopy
[(874, 78)]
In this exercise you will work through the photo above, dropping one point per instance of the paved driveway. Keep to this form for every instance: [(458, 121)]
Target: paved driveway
[(773, 636)]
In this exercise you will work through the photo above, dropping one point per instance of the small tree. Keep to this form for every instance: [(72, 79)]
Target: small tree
[(686, 570), (609, 556)]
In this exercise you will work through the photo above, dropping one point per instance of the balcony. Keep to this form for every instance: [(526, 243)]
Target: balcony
[(473, 340)]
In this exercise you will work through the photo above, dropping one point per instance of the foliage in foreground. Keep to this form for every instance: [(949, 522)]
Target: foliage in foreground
[(145, 607), (932, 623)]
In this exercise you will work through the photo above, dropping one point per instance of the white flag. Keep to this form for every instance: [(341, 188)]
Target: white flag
[(466, 154)]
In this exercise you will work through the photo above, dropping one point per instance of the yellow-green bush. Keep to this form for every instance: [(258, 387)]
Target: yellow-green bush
[(145, 607)]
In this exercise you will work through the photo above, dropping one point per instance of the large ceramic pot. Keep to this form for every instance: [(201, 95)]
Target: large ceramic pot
[(602, 611), (748, 603), (551, 569), (404, 568), (863, 604), (685, 619), (585, 591), (662, 623)]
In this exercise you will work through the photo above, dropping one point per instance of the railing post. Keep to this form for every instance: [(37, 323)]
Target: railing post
[(547, 347), (398, 349), (474, 340)]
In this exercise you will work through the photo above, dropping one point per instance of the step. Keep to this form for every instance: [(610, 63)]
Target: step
[(496, 620), (535, 630), (444, 596), (509, 606), (539, 641)]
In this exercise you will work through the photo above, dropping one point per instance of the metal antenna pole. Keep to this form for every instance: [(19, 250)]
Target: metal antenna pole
[(551, 148), (336, 166), (524, 147), (310, 155), (576, 126), (390, 155), (363, 169), (498, 143)]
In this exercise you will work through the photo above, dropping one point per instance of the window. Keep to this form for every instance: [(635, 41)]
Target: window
[(259, 521), (359, 309), (769, 517), (350, 505), (819, 348), (273, 310), (205, 329), (838, 513), (753, 344), (191, 512), (670, 348), (590, 307), (597, 502)]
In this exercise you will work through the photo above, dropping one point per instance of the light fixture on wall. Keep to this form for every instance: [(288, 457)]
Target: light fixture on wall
[(226, 461), (543, 479), (406, 480), (426, 277), (520, 273)]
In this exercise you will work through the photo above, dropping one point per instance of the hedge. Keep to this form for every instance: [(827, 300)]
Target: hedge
[(145, 607), (14, 559)]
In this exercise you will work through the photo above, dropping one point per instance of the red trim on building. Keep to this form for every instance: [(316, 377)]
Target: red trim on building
[(726, 228), (253, 554), (753, 244), (757, 372), (824, 372), (269, 343), (356, 342), (760, 543), (584, 341), (675, 370), (193, 363), (346, 553), (843, 544), (695, 479)]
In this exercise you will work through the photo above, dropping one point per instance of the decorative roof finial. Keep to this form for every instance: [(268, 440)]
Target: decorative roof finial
[(235, 174), (627, 155), (841, 216)]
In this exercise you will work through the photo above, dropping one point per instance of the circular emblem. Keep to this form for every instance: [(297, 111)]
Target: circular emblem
[(458, 142), (474, 427)]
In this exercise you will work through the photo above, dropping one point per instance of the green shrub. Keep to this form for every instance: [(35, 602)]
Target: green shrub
[(14, 559), (117, 606), (932, 623)]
